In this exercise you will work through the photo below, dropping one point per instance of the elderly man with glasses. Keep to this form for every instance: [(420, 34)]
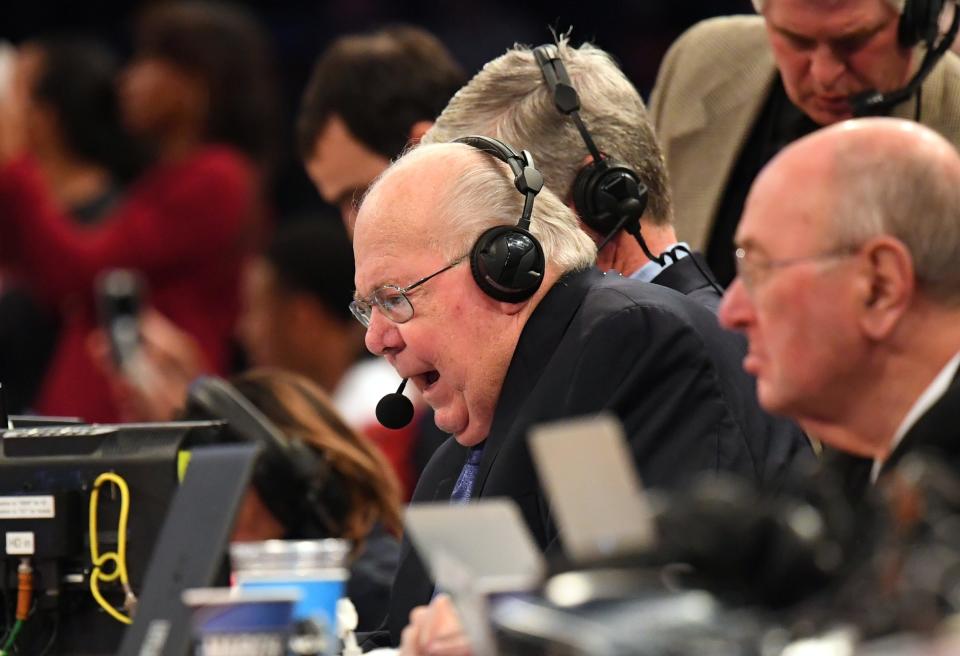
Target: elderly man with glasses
[(848, 290), (582, 343)]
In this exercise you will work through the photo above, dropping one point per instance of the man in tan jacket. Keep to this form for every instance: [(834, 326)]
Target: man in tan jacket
[(733, 91)]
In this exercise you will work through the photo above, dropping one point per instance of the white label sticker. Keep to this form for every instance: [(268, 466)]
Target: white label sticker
[(20, 543), (27, 507)]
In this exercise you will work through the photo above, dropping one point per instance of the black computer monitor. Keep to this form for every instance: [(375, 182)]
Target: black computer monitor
[(46, 477)]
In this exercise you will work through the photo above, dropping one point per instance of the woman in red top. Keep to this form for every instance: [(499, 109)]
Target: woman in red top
[(198, 92)]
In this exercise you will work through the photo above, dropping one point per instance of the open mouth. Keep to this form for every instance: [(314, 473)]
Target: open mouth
[(427, 379)]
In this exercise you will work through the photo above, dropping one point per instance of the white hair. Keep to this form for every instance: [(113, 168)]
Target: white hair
[(896, 4), (483, 195), (508, 99)]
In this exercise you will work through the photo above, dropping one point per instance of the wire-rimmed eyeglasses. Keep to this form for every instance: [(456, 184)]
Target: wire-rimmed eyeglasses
[(393, 300), (752, 270)]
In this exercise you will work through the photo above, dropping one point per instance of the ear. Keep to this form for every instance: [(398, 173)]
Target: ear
[(889, 285), (417, 130)]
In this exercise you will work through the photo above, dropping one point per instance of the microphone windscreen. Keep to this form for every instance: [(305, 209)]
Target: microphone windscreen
[(394, 411)]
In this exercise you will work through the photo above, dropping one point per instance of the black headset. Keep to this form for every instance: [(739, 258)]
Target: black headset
[(507, 261), (294, 480), (919, 21), (607, 194)]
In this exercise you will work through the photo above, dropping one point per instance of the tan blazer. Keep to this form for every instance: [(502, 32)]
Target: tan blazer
[(711, 88)]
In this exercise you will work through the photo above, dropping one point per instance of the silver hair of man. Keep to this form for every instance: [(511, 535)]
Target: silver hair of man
[(483, 195), (508, 99), (896, 4), (904, 193)]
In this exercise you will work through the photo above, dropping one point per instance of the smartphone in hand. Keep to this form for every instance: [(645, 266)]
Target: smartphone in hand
[(119, 302)]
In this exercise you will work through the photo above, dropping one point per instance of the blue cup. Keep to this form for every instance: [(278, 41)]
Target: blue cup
[(314, 568)]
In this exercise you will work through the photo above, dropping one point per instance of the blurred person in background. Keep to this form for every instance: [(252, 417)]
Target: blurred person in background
[(199, 94), (733, 91), (369, 97), (360, 495), (848, 290), (294, 316), (72, 127)]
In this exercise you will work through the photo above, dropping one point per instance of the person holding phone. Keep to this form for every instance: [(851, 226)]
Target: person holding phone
[(186, 225)]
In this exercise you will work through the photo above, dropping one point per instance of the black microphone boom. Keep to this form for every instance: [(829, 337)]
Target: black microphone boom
[(395, 410), (873, 103)]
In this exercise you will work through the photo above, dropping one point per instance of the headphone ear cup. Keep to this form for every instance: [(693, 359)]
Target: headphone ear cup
[(607, 195), (583, 188), (507, 263), (919, 21)]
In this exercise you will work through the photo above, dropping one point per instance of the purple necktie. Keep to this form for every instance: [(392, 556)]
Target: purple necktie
[(463, 489)]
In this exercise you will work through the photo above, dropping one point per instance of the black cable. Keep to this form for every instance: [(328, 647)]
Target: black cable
[(635, 231), (684, 249)]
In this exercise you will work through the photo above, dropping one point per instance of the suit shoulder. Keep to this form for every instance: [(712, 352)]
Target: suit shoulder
[(715, 47), (719, 40), (951, 98), (617, 299)]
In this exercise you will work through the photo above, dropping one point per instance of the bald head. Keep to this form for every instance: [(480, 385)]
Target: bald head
[(847, 286), (883, 176)]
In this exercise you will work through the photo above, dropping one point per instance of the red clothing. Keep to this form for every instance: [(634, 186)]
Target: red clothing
[(185, 226)]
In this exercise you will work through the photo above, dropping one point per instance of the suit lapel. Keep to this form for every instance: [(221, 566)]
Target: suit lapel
[(538, 341), (937, 430), (705, 144), (683, 275)]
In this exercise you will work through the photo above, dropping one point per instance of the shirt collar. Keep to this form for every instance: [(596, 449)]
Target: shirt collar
[(924, 402), (652, 269)]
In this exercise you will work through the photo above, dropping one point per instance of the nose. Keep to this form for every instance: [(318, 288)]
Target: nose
[(826, 68), (736, 309), (383, 336)]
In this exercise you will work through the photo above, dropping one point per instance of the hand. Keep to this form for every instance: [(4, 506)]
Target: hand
[(434, 630), (154, 386)]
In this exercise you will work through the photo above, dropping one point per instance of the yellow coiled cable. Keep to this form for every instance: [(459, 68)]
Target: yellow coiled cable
[(119, 557)]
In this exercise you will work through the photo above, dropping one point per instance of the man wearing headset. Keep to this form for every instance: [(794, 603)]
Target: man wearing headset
[(502, 324), (733, 91), (515, 99), (512, 99)]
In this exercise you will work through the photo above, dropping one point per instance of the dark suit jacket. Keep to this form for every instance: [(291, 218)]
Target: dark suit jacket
[(653, 357), (775, 442), (936, 433), (684, 277)]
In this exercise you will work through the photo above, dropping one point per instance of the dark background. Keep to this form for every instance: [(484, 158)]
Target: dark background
[(636, 32)]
